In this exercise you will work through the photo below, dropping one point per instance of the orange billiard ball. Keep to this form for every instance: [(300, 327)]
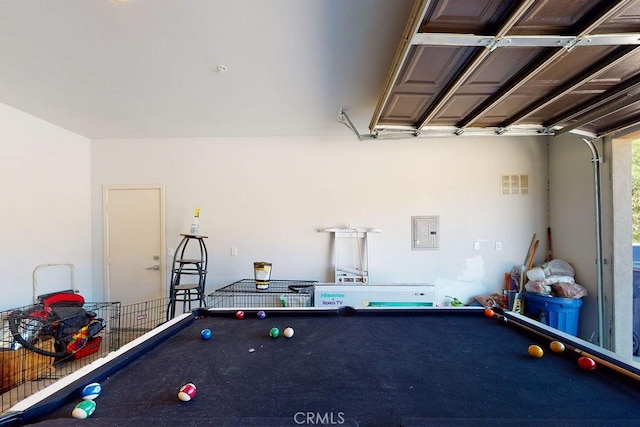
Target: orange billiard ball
[(489, 312), (556, 346), (535, 351)]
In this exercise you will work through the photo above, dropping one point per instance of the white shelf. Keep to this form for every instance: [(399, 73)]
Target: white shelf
[(350, 253)]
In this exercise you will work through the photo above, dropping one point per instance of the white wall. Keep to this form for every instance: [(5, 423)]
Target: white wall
[(268, 196), (621, 232), (572, 203), (45, 215)]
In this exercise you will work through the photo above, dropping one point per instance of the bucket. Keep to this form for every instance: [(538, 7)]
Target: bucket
[(262, 273)]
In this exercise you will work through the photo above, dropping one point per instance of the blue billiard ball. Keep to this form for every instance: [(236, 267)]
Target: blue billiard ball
[(205, 334), (261, 314)]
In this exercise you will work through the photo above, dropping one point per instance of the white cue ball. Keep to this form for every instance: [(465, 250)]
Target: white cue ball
[(288, 332)]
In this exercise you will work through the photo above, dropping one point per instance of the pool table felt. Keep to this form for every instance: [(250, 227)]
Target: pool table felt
[(368, 369)]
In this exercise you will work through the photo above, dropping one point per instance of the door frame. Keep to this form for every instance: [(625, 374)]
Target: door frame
[(105, 239)]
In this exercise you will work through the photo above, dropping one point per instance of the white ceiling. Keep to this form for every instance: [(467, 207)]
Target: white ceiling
[(148, 68)]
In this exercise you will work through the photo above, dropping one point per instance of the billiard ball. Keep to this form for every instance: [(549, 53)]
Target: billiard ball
[(187, 392), (91, 391), (205, 334), (84, 409), (489, 312), (240, 314), (586, 363), (288, 332), (535, 351), (274, 333), (556, 346), (261, 314)]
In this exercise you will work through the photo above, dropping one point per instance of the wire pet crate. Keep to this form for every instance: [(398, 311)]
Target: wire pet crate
[(281, 293), (135, 320), (24, 372)]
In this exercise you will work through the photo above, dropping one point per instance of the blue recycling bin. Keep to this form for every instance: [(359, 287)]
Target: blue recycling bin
[(636, 311), (636, 299), (560, 313)]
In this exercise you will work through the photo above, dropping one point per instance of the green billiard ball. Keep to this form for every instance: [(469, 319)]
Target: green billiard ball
[(274, 333)]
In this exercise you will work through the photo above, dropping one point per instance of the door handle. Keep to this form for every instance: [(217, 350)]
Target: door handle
[(155, 267)]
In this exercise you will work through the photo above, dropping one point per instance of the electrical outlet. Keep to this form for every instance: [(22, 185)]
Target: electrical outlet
[(498, 246), (476, 245), (234, 251)]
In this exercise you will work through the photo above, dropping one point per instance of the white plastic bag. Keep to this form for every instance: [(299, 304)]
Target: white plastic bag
[(558, 267), (536, 274)]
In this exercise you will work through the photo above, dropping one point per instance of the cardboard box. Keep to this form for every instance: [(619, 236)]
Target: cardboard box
[(374, 296)]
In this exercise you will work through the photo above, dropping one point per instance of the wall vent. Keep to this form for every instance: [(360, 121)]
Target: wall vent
[(514, 184)]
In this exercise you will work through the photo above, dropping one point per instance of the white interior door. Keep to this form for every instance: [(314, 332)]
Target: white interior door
[(134, 243)]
